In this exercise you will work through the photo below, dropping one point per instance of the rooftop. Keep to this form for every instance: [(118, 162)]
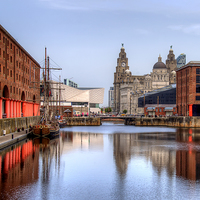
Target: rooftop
[(160, 90)]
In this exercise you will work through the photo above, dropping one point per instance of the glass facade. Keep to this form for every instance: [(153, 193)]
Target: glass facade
[(166, 95), (181, 60), (70, 83)]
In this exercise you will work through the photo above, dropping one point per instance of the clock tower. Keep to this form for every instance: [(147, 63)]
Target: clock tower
[(122, 66)]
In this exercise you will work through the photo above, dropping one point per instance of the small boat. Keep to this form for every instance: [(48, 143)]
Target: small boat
[(62, 123), (46, 130)]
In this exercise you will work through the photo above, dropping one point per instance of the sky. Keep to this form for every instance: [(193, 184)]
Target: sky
[(84, 37)]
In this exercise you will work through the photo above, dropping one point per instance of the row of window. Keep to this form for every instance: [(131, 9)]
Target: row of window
[(197, 81), (163, 109), (13, 90), (18, 64), (24, 68), (18, 77), (18, 51)]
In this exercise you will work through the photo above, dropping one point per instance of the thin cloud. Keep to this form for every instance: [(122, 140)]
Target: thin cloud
[(142, 31), (191, 29), (153, 6)]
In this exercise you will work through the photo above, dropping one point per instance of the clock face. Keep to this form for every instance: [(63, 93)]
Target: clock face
[(123, 64)]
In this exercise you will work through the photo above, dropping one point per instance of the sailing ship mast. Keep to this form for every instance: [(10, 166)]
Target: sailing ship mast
[(47, 89)]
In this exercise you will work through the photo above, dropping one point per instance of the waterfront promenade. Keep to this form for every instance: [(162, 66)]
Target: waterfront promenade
[(12, 138)]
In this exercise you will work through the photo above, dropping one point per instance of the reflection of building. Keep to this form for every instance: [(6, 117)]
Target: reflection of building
[(19, 79), (111, 97), (19, 166), (77, 140), (181, 60), (128, 87), (188, 164), (162, 157), (188, 161), (188, 89), (122, 152)]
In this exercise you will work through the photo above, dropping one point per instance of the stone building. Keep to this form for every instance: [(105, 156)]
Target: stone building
[(128, 87), (19, 79)]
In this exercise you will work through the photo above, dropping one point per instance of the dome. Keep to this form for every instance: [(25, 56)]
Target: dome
[(127, 71), (173, 72), (159, 65)]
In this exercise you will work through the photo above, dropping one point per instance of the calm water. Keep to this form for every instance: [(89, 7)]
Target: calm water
[(112, 161)]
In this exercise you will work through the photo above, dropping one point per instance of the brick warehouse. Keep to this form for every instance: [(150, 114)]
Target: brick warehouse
[(19, 79), (188, 89)]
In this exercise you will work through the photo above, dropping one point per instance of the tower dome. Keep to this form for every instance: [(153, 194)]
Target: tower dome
[(159, 64), (173, 72), (127, 71)]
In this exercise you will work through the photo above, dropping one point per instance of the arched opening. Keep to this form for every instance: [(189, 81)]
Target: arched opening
[(5, 92), (5, 105), (34, 98), (22, 104), (23, 96)]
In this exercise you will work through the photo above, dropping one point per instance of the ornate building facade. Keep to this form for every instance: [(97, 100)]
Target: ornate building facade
[(128, 87)]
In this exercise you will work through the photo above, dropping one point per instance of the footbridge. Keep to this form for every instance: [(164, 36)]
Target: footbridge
[(128, 120)]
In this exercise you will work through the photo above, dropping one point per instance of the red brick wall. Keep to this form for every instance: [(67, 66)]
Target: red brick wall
[(186, 88), (161, 112), (17, 69)]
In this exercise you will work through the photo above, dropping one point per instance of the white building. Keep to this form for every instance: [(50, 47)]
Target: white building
[(82, 100)]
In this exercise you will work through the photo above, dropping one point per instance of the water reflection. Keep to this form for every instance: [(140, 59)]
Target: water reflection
[(82, 163), (150, 146), (82, 140), (122, 152), (188, 157), (16, 164)]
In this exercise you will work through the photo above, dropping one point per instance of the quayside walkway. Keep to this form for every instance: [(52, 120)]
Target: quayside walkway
[(12, 138)]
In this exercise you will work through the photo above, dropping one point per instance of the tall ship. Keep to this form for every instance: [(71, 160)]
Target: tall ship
[(48, 125)]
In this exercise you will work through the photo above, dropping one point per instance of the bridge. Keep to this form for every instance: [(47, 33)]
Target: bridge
[(128, 120)]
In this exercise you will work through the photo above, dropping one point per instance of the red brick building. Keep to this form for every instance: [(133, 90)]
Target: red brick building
[(160, 110), (19, 79), (188, 89)]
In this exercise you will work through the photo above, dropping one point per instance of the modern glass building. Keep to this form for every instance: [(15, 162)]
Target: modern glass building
[(181, 60), (70, 83), (165, 95)]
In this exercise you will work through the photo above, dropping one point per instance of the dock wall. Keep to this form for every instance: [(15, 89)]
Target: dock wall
[(185, 122), (11, 125), (83, 121)]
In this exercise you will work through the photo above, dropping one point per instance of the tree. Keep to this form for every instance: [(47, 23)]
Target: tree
[(125, 111), (109, 109)]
